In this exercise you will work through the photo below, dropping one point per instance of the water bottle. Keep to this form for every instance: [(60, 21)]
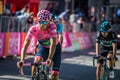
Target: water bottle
[(49, 72), (111, 74)]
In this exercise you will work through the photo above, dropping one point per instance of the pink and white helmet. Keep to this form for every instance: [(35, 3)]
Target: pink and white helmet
[(43, 15)]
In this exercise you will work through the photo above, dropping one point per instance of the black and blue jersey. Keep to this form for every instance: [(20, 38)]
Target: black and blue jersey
[(106, 41)]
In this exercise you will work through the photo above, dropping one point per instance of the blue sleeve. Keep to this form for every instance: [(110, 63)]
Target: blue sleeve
[(59, 28)]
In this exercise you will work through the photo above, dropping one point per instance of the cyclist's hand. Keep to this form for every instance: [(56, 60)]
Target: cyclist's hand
[(49, 62), (98, 55), (20, 64)]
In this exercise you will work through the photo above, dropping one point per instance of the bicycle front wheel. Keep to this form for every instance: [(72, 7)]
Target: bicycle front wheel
[(104, 75)]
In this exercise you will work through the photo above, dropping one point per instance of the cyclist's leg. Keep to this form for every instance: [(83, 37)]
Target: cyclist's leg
[(38, 58), (98, 69), (110, 62), (57, 63), (100, 62)]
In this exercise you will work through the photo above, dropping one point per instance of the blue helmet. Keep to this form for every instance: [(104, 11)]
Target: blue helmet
[(105, 26)]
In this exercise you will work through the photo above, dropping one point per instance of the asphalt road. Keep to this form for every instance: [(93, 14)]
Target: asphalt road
[(75, 66)]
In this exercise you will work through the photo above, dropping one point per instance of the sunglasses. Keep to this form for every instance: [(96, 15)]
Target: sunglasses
[(43, 22)]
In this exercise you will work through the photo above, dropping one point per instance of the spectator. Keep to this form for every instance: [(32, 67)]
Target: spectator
[(24, 10), (22, 16), (80, 23), (102, 17), (78, 11), (24, 13), (7, 10), (93, 27), (66, 21), (30, 21), (72, 20)]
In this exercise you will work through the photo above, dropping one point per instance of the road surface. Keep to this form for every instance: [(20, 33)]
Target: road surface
[(75, 66)]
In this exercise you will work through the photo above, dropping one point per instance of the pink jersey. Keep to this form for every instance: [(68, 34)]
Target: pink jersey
[(43, 37)]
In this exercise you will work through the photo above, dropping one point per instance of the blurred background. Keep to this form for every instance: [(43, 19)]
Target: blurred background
[(87, 12), (80, 19)]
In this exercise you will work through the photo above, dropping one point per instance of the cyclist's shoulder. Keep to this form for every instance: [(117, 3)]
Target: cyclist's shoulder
[(34, 28), (51, 25)]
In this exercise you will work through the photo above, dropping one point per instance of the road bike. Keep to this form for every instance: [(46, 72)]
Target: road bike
[(105, 71), (43, 72)]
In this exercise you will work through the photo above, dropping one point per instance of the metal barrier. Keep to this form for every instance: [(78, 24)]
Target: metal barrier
[(12, 24)]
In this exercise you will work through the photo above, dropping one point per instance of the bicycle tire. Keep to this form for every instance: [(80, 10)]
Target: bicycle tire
[(104, 75), (42, 73), (107, 78), (37, 74)]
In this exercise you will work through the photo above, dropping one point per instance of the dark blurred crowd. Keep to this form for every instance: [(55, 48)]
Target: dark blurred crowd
[(73, 21), (18, 21)]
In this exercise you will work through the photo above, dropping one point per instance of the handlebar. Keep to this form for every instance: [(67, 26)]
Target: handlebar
[(28, 64), (36, 64), (104, 58)]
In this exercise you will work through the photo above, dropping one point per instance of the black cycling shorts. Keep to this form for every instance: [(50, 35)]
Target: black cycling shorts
[(104, 51), (44, 52)]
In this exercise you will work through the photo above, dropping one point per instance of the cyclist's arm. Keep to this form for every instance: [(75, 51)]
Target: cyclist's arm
[(60, 30), (114, 48), (114, 43), (60, 36), (26, 44), (36, 47), (52, 48), (53, 38), (24, 49), (97, 48)]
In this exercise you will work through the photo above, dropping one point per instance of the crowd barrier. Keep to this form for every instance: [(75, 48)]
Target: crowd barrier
[(11, 42), (12, 24), (80, 41), (66, 41), (13, 33)]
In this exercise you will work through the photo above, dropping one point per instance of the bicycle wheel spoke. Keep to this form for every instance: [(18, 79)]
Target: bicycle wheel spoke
[(42, 72)]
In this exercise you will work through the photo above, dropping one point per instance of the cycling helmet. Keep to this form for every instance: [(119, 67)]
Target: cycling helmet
[(105, 26), (43, 15)]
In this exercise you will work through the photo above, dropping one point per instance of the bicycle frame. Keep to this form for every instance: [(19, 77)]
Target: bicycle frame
[(43, 72), (104, 71), (104, 68)]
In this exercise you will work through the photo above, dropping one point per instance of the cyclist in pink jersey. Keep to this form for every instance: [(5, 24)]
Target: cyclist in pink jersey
[(49, 49)]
